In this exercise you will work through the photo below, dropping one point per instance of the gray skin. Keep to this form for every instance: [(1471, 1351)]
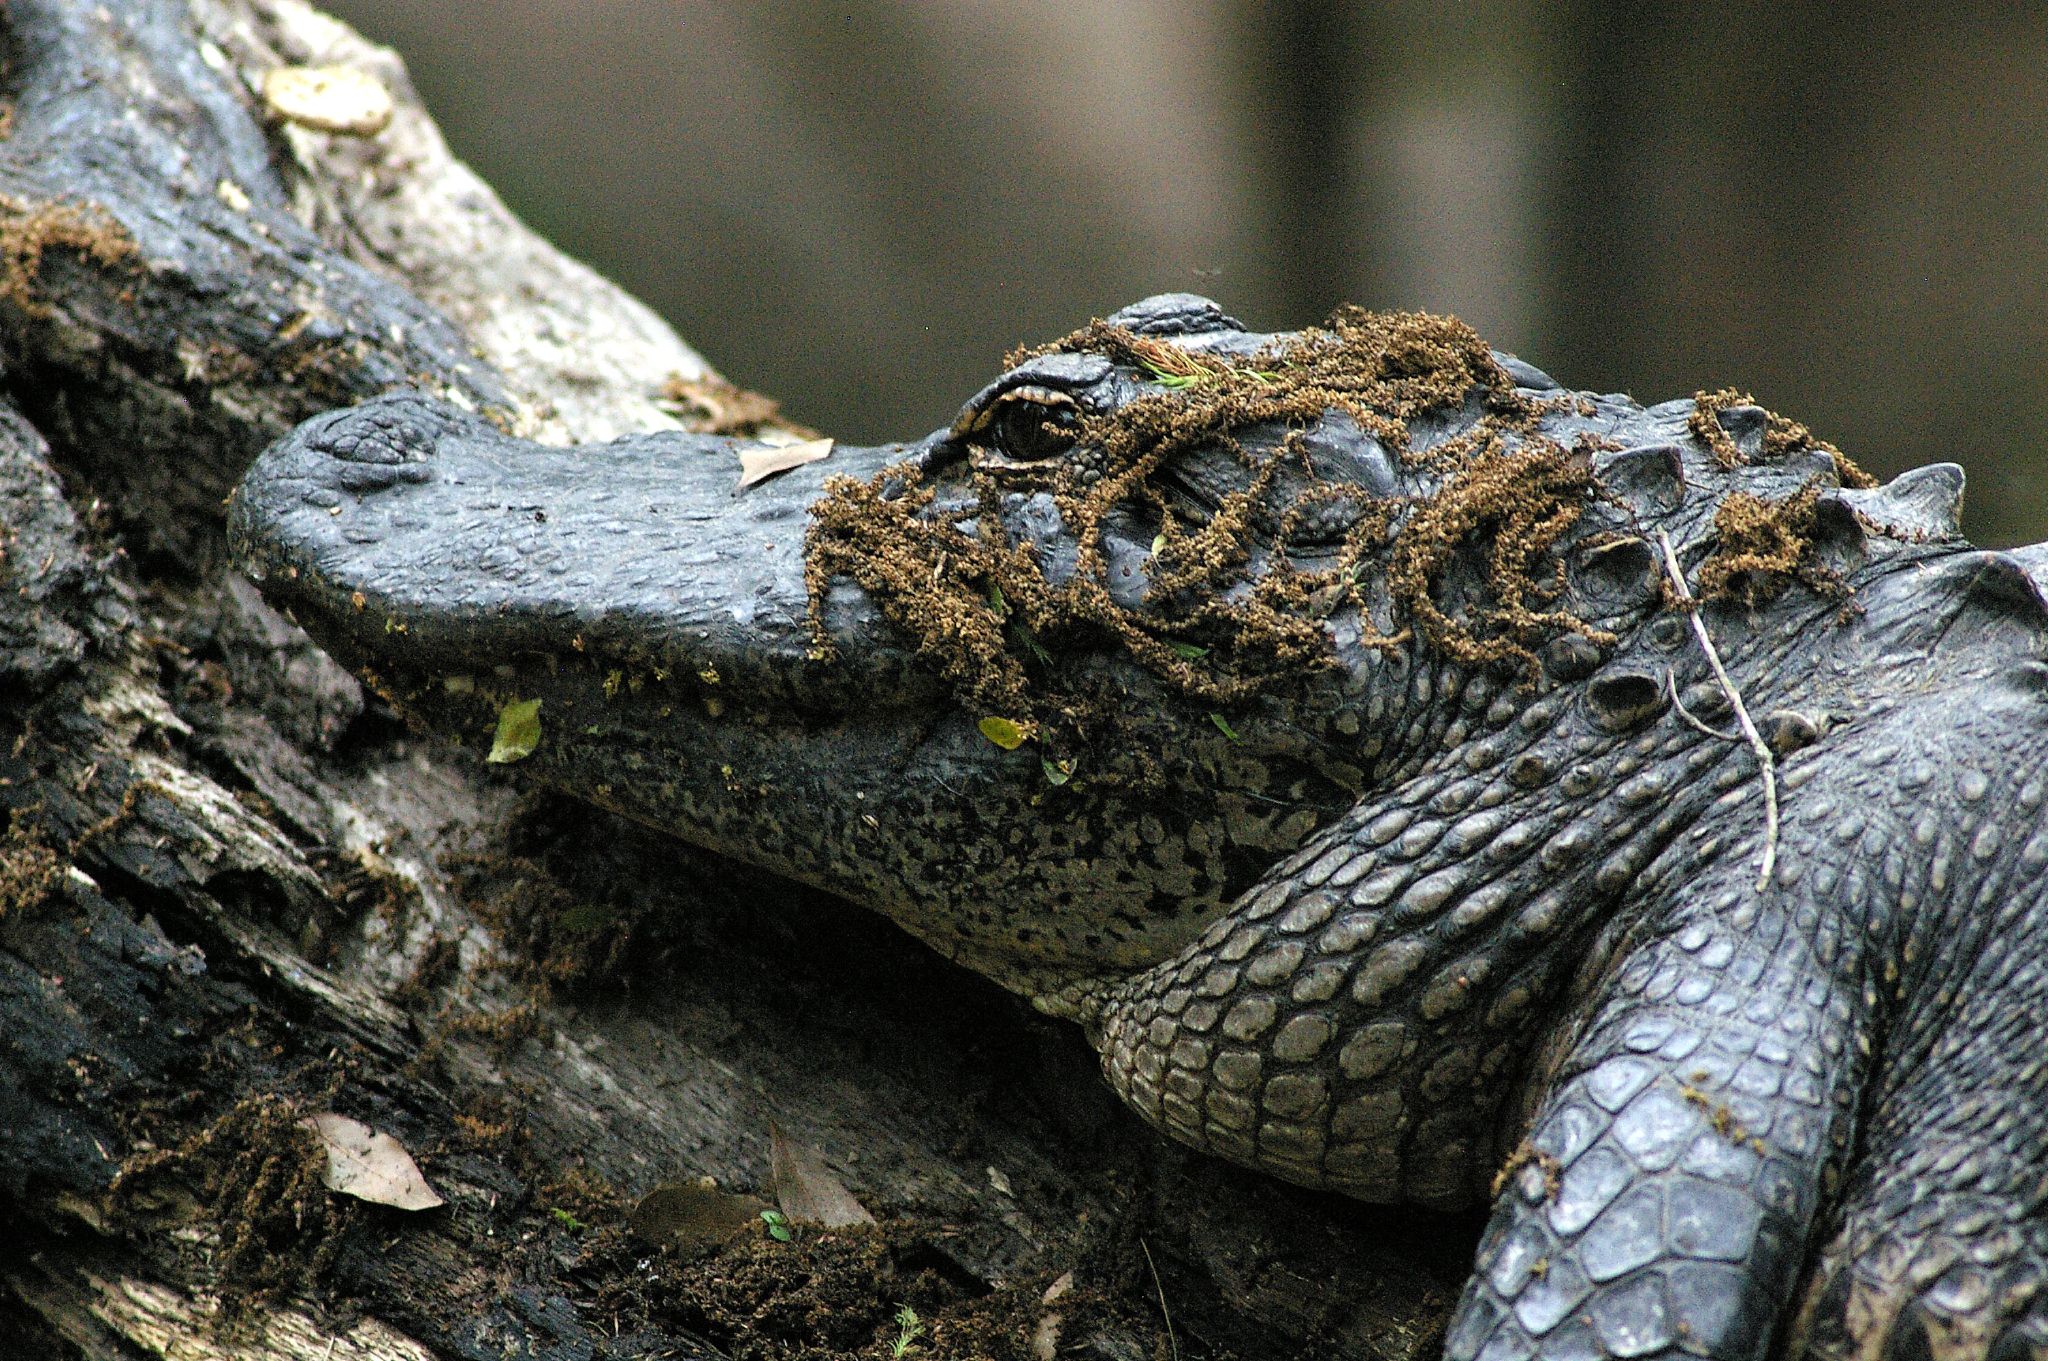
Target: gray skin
[(1419, 921)]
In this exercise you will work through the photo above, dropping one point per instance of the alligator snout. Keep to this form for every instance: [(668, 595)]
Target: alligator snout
[(405, 515)]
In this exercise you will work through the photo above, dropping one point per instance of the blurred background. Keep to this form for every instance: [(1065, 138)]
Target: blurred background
[(858, 207)]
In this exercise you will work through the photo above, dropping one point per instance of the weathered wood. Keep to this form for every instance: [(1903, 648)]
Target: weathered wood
[(233, 892)]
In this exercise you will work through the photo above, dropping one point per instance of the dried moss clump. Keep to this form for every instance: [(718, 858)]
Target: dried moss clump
[(1783, 436), (1524, 501), (28, 232), (30, 869), (716, 407), (1227, 612), (1762, 547), (261, 1173)]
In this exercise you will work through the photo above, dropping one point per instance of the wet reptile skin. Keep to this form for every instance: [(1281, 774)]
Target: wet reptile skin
[(1416, 922)]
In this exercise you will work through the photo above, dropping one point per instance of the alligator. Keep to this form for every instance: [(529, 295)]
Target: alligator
[(1422, 781)]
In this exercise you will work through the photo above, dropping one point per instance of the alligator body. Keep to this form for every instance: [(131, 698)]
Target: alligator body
[(1319, 719)]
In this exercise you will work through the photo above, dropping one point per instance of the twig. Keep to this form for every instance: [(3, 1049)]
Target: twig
[(1671, 689), (1764, 760), (1160, 1286)]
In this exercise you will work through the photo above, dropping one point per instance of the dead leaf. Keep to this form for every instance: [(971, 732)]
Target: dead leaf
[(369, 1164), (329, 99), (716, 407), (762, 462), (518, 732), (807, 1190), (1045, 1339), (695, 1215)]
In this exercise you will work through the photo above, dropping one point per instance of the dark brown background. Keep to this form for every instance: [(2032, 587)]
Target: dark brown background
[(859, 206)]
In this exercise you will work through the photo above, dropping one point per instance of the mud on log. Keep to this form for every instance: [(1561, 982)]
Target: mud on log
[(234, 892)]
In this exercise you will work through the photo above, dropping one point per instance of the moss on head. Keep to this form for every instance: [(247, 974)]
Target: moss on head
[(1782, 436), (1228, 613), (1762, 547)]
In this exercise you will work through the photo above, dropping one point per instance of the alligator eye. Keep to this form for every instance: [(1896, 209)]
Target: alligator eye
[(1028, 431)]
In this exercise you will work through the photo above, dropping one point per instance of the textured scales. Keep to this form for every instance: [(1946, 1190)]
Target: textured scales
[(1408, 927)]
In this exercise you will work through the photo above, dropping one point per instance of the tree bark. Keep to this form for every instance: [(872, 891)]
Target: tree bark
[(234, 892)]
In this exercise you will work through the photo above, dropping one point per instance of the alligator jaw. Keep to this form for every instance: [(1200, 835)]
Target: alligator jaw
[(658, 617), (660, 620)]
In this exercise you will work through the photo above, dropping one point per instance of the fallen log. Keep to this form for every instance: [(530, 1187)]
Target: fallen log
[(235, 894)]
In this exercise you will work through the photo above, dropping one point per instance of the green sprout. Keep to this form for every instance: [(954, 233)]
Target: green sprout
[(778, 1227), (1174, 381), (909, 1328)]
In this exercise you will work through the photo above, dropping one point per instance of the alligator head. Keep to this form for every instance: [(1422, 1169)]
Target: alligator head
[(1059, 682)]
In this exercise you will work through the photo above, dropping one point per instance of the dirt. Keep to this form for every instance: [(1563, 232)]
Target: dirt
[(256, 1171), (882, 1294)]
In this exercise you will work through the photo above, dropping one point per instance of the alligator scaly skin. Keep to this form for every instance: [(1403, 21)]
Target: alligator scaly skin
[(1422, 931)]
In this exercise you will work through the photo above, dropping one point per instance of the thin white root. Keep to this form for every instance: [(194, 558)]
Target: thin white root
[(1765, 761), (1671, 689), (1172, 1342)]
